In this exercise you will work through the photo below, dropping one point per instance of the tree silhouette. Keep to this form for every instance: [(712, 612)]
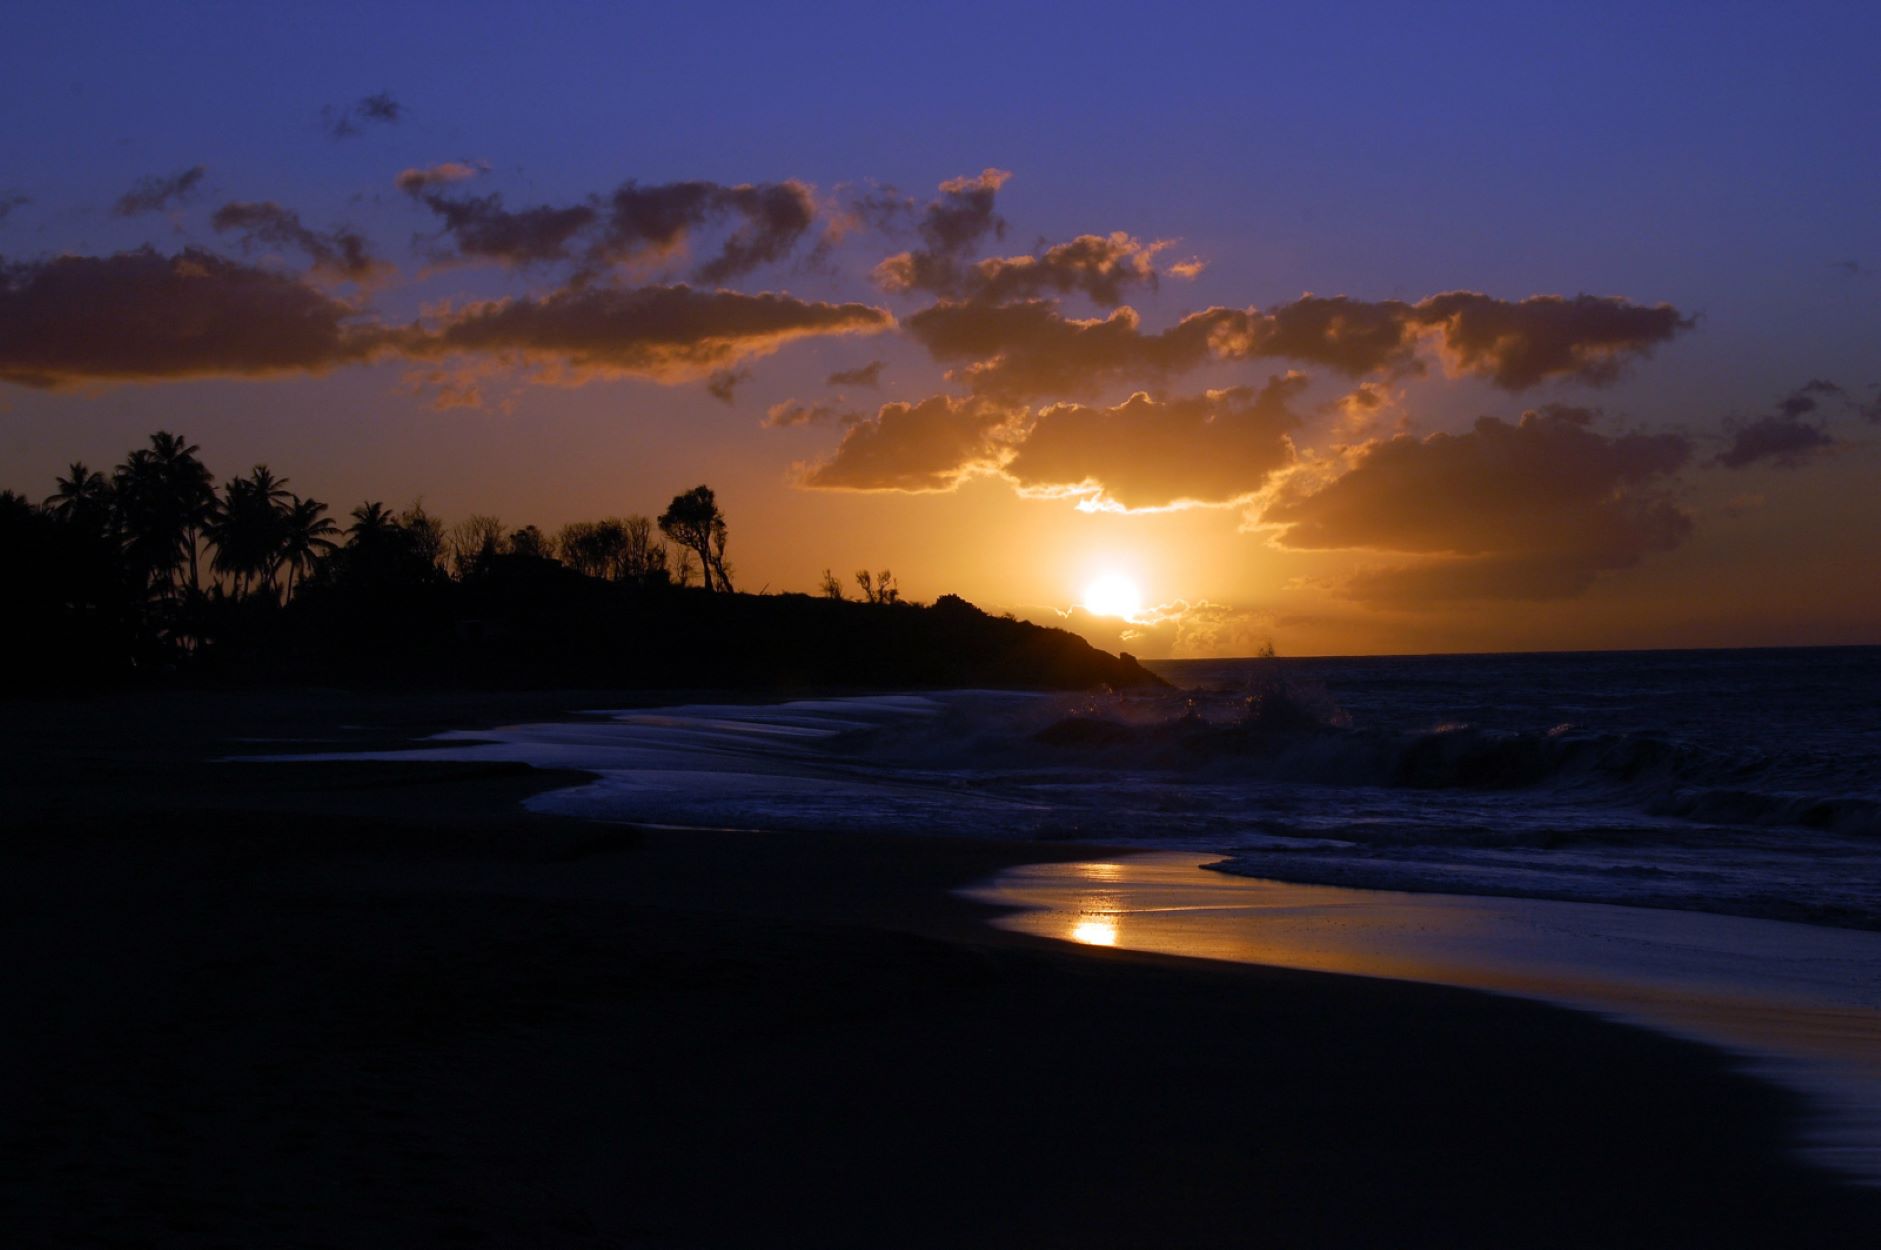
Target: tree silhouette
[(165, 498), (83, 499), (305, 537), (830, 588), (248, 530), (879, 587), (693, 521)]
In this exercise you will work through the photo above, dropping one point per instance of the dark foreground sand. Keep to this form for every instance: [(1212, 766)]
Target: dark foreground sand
[(378, 1005)]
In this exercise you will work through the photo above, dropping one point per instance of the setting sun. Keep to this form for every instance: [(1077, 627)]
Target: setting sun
[(1113, 595)]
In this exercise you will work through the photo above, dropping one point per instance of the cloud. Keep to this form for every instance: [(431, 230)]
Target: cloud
[(481, 228), (10, 202), (378, 109), (634, 223), (1030, 348), (1215, 448), (928, 446), (663, 333), (156, 192), (416, 181), (340, 252), (952, 226), (657, 220), (723, 385), (863, 375), (1519, 344), (1535, 510), (144, 316), (792, 412), (1099, 266), (1783, 438)]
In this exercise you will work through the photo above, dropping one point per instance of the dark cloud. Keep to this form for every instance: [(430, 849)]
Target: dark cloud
[(1516, 344), (1782, 437), (1535, 510), (723, 385), (665, 333), (1782, 441), (1030, 348), (144, 316), (340, 252), (952, 227), (482, 229), (657, 220), (10, 202), (378, 109), (419, 180), (922, 447), (156, 192), (1099, 266), (1806, 398), (1213, 448), (863, 375), (634, 223), (791, 412)]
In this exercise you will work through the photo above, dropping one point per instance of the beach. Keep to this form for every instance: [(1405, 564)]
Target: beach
[(380, 1003)]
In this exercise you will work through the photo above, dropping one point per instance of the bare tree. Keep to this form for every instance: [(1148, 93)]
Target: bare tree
[(831, 588), (878, 587), (474, 542)]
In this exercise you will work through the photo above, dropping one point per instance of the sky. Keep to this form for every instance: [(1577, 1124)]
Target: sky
[(1342, 328)]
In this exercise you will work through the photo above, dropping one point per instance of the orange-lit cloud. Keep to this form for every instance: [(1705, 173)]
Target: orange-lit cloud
[(1535, 510), (952, 227), (663, 333), (928, 446), (1516, 344), (1029, 349), (790, 412), (1099, 266), (341, 253), (1213, 448), (144, 316), (418, 181)]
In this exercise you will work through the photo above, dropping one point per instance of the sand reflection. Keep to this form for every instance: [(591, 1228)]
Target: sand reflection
[(1801, 1003)]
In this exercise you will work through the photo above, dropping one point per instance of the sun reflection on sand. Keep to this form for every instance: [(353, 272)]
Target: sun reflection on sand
[(1802, 1004)]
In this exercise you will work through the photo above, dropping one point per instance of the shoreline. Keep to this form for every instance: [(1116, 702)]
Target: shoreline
[(386, 1005)]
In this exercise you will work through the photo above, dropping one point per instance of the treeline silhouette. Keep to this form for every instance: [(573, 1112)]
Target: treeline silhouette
[(154, 573)]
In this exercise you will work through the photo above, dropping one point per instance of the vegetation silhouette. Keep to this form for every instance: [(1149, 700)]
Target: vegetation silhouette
[(152, 573)]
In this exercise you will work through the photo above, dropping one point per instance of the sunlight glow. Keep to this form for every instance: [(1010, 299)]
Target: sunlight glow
[(1095, 931), (1113, 595)]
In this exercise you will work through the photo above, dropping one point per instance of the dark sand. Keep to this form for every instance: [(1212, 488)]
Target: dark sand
[(258, 1005)]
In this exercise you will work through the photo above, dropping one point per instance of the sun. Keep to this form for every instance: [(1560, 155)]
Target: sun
[(1113, 595)]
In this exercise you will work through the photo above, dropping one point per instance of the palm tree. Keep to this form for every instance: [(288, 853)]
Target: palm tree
[(304, 532), (165, 497), (83, 498), (372, 521), (248, 528)]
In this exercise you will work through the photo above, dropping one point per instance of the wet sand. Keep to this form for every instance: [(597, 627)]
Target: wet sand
[(381, 1005)]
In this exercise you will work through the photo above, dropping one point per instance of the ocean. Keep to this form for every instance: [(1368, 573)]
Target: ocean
[(1685, 840), (1737, 782)]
